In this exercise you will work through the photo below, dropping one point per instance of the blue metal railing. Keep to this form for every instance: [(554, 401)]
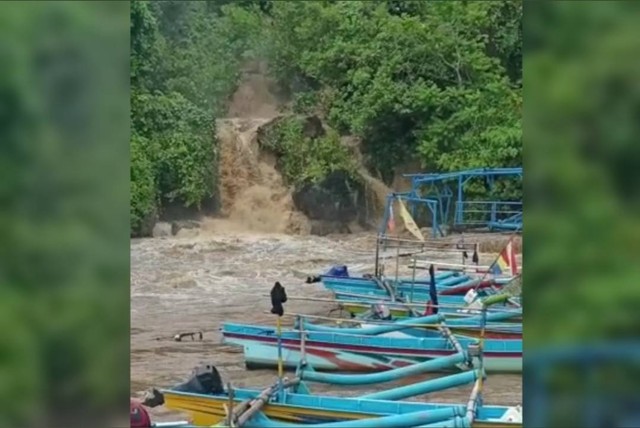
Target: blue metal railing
[(436, 193), (491, 214), (409, 199)]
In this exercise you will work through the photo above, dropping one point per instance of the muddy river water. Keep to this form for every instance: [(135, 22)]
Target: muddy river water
[(197, 280)]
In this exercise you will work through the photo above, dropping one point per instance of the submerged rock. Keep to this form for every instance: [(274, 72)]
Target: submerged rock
[(336, 198), (161, 229), (323, 228), (177, 226)]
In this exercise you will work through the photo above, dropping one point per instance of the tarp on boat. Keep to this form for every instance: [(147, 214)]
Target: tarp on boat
[(338, 270)]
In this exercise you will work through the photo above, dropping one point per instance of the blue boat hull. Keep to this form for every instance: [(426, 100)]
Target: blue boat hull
[(334, 351)]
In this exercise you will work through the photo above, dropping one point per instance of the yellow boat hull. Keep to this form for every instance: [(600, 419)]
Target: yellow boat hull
[(208, 411)]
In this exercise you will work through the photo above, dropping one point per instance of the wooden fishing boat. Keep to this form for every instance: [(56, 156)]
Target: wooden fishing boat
[(401, 306), (289, 402), (447, 284), (497, 326), (498, 331), (358, 307), (417, 296), (351, 352), (424, 419), (454, 307), (372, 290), (303, 409)]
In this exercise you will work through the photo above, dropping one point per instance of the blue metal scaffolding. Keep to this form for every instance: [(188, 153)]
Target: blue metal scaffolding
[(436, 192)]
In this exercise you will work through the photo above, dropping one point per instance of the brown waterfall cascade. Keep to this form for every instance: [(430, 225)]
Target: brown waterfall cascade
[(376, 189), (253, 195), (252, 192)]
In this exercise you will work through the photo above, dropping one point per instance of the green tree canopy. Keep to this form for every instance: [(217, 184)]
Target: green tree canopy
[(436, 82)]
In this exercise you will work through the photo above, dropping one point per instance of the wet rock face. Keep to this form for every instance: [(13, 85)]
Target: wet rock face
[(177, 210), (164, 229), (179, 225), (161, 229), (337, 200), (147, 227)]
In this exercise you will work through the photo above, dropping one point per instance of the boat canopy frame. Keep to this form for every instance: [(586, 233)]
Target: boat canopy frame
[(436, 191)]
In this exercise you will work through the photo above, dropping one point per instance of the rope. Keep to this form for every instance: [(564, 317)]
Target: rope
[(444, 330)]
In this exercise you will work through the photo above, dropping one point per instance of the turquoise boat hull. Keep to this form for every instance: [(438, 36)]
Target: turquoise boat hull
[(446, 284), (497, 326), (343, 352), (452, 306)]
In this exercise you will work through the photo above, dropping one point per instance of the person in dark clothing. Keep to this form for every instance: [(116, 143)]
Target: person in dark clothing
[(432, 304), (278, 297)]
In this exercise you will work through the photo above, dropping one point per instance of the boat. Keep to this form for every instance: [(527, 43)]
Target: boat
[(447, 284), (453, 306), (360, 306), (355, 352), (303, 409), (417, 296), (497, 325), (351, 298), (286, 404), (441, 418), (403, 306)]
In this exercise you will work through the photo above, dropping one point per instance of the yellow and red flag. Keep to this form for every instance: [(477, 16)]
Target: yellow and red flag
[(408, 221), (391, 222), (506, 261)]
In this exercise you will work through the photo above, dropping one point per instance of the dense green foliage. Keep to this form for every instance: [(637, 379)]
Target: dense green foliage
[(438, 82), (303, 159), (435, 81), (185, 58)]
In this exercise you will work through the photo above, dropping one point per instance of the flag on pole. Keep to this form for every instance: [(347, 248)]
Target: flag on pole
[(409, 223), (506, 261), (391, 222)]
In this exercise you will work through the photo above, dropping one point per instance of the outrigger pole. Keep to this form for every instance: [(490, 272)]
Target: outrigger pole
[(376, 272)]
